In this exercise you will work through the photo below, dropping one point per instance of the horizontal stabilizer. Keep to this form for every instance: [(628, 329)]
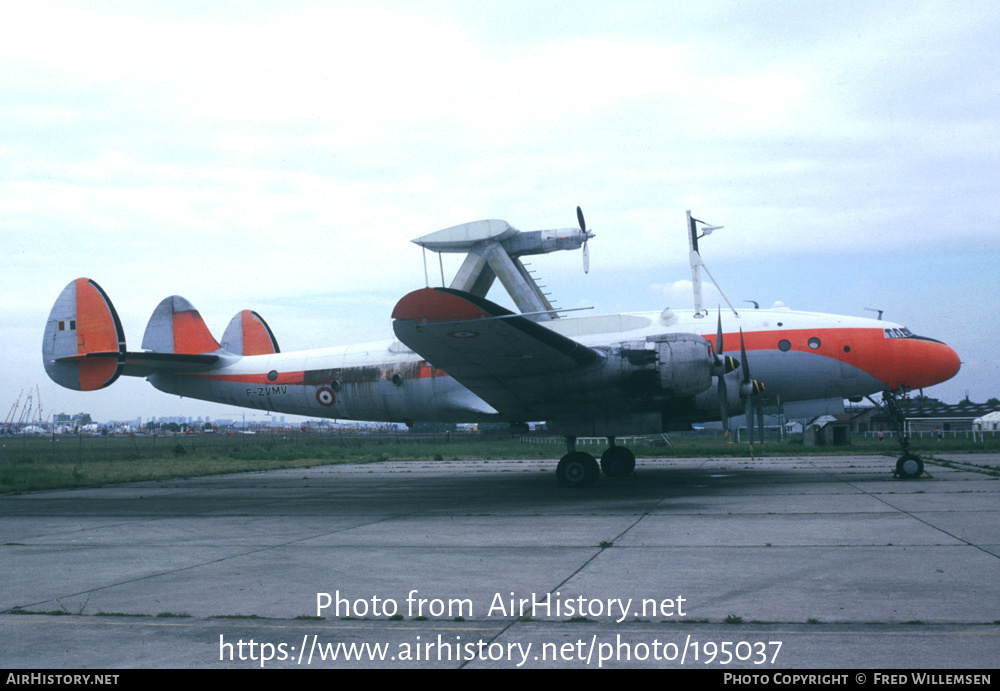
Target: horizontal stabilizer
[(84, 344), (249, 334), (144, 364), (177, 327)]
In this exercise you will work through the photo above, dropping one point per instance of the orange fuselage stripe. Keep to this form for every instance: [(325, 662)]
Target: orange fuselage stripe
[(425, 371), (281, 378)]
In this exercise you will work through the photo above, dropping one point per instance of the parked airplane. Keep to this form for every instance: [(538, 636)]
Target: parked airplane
[(458, 357)]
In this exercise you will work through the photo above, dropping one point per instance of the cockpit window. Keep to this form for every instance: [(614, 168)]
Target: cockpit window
[(898, 333)]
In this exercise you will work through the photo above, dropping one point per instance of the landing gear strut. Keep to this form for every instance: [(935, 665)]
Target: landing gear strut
[(909, 466), (580, 469)]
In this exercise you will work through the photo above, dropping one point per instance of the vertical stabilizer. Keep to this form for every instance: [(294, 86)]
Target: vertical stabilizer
[(84, 345), (177, 327), (249, 334)]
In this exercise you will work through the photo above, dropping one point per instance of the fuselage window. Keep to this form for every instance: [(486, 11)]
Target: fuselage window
[(814, 343), (784, 345)]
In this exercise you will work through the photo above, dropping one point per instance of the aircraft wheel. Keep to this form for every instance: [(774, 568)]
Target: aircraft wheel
[(617, 461), (909, 466), (577, 469)]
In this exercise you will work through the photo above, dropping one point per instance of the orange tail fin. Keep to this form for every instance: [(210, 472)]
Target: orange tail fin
[(84, 344), (177, 327), (249, 334)]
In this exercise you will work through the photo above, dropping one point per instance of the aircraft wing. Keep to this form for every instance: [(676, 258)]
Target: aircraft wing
[(509, 361)]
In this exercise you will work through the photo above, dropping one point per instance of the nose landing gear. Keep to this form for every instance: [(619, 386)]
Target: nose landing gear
[(909, 466)]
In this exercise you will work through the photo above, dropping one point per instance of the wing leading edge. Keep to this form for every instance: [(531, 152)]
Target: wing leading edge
[(514, 364)]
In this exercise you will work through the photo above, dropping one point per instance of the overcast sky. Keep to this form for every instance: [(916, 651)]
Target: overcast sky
[(281, 156)]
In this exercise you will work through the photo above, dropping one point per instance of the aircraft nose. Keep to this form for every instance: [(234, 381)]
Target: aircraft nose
[(923, 362), (945, 363)]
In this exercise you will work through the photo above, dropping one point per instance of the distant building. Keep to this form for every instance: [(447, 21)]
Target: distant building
[(987, 423), (80, 419), (827, 430), (921, 416)]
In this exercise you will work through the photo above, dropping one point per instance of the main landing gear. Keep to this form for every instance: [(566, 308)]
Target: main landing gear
[(909, 466), (580, 469)]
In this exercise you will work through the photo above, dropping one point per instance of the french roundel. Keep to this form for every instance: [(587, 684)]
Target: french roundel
[(325, 396)]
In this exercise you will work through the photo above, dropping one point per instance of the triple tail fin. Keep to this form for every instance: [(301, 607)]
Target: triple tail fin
[(249, 334), (84, 343)]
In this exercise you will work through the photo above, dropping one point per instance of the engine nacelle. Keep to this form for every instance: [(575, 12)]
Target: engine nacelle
[(643, 387), (677, 365), (685, 364)]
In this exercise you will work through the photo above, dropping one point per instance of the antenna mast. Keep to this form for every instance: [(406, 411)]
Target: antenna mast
[(697, 264)]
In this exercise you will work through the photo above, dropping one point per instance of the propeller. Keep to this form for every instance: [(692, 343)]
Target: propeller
[(749, 389), (586, 236), (723, 366)]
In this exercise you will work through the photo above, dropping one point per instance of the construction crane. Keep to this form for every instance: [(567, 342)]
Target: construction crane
[(9, 422)]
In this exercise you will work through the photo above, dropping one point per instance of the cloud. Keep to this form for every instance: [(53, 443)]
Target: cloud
[(679, 294), (278, 155)]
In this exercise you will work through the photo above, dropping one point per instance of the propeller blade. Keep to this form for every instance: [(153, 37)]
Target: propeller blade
[(586, 237), (722, 392), (760, 424), (724, 406), (750, 389), (718, 339), (743, 359)]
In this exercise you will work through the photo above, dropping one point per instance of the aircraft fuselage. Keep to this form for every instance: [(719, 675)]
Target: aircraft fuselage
[(799, 355)]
